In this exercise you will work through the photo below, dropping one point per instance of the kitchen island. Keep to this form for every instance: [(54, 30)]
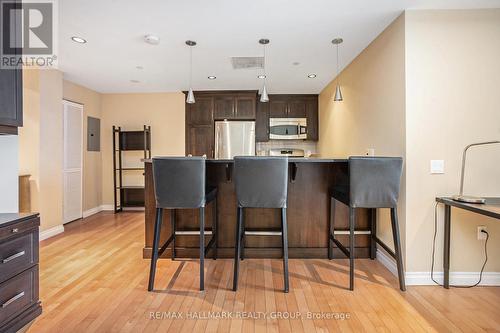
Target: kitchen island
[(308, 214)]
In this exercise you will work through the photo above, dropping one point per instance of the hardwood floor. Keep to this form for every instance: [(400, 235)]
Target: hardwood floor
[(93, 279)]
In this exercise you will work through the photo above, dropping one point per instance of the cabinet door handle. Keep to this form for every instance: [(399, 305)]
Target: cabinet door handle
[(13, 299), (12, 257)]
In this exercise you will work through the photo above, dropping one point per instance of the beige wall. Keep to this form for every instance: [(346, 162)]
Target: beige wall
[(92, 160), (372, 113), (41, 143), (424, 89), (453, 77), (29, 134), (164, 112)]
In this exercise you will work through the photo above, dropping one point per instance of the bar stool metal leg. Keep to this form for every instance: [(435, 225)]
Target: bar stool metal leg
[(284, 235), (172, 219), (352, 219), (242, 235), (373, 233), (202, 248), (331, 230), (237, 247), (397, 248), (154, 253), (215, 222)]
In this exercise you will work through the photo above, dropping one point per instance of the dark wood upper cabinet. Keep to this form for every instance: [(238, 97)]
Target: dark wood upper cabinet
[(278, 107), (11, 92), (235, 106), (201, 112), (245, 106), (224, 107), (296, 107), (312, 118)]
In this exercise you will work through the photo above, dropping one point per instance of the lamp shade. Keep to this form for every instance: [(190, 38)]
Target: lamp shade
[(190, 97), (264, 98), (338, 95)]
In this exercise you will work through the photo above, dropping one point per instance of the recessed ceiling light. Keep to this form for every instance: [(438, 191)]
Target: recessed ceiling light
[(152, 39), (212, 77), (77, 39), (261, 77), (135, 81), (296, 63), (311, 76), (139, 67)]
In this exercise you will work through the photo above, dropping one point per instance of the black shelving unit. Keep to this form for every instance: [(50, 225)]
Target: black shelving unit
[(126, 141)]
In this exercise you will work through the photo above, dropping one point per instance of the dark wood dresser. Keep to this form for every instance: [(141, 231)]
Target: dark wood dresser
[(19, 303)]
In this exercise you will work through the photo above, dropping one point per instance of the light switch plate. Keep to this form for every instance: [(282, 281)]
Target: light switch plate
[(437, 166)]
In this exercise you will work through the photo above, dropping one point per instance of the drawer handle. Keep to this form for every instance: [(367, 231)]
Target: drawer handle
[(14, 256), (13, 299), (15, 230)]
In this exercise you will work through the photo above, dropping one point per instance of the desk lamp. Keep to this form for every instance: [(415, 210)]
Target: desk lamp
[(467, 198)]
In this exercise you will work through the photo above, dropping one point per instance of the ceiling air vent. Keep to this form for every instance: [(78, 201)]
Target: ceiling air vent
[(247, 62)]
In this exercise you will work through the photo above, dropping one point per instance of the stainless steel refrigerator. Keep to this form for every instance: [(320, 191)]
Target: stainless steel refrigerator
[(234, 138)]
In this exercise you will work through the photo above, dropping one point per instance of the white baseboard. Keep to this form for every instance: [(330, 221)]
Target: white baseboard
[(107, 207), (456, 278), (51, 232), (96, 210), (386, 260), (424, 278), (91, 211)]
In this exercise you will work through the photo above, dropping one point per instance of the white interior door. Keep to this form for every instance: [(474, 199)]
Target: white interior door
[(72, 161)]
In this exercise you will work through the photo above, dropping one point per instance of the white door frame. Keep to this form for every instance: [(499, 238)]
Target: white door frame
[(80, 106)]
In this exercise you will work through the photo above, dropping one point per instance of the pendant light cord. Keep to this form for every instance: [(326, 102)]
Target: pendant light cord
[(190, 67), (265, 75), (338, 64)]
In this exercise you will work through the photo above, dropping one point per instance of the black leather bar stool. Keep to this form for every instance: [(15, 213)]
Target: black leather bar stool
[(373, 183), (180, 184), (261, 182)]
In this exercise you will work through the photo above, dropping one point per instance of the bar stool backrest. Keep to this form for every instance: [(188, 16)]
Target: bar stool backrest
[(374, 181), (261, 182), (179, 182)]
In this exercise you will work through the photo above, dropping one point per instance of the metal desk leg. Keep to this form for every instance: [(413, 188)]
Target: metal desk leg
[(446, 250)]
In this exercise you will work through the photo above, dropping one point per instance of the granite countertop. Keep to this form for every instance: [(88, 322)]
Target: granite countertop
[(290, 159), (9, 218)]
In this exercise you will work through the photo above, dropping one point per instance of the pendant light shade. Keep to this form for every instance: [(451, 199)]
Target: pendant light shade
[(264, 98), (338, 94), (190, 96), (338, 91)]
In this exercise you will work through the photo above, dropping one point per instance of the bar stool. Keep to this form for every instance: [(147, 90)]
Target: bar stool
[(261, 182), (373, 183), (180, 184)]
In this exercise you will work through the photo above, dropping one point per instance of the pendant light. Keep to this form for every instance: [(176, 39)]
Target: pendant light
[(338, 91), (264, 98), (190, 96)]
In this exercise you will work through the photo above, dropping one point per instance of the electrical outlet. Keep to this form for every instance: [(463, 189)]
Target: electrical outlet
[(481, 235), (437, 166), (370, 152)]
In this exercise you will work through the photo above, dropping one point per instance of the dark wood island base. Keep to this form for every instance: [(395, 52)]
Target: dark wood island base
[(307, 213)]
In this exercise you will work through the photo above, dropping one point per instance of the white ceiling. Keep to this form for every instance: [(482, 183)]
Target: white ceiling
[(300, 31)]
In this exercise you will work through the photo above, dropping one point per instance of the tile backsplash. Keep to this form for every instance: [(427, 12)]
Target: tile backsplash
[(309, 147)]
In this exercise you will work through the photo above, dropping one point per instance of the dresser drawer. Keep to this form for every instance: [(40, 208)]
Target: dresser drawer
[(18, 254), (18, 228), (18, 293)]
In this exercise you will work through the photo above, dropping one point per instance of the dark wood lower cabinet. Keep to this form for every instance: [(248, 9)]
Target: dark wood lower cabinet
[(19, 270), (307, 214)]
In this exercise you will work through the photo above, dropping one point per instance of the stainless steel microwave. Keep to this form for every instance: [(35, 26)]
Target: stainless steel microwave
[(288, 128)]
